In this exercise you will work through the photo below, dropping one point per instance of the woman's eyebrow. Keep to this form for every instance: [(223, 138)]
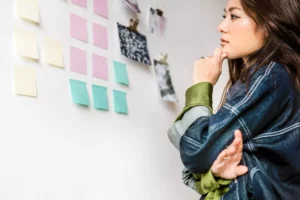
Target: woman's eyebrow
[(232, 8)]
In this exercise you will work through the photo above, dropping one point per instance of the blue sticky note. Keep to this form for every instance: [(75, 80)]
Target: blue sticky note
[(100, 97), (120, 102), (121, 74), (79, 92)]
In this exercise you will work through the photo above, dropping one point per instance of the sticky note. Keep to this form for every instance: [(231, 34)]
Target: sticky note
[(78, 60), (26, 44), (53, 52), (81, 3), (120, 102), (25, 81), (100, 69), (100, 97), (79, 92), (100, 8), (78, 28), (28, 9), (99, 36), (121, 75)]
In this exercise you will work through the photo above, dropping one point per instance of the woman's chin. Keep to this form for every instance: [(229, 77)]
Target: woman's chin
[(230, 56)]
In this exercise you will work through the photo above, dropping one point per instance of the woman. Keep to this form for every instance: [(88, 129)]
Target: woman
[(261, 40)]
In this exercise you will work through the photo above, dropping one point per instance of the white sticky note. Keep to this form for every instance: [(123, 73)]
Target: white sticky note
[(53, 52), (25, 81), (28, 9), (26, 44)]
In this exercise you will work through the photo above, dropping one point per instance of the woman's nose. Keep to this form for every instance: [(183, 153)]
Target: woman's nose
[(223, 27)]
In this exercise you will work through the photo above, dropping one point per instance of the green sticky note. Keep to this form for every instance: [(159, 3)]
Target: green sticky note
[(121, 74), (120, 102), (79, 92), (100, 97)]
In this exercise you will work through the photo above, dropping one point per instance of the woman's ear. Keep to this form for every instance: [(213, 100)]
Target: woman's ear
[(266, 34)]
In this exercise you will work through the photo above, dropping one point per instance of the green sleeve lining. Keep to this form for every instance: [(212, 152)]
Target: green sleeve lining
[(207, 183), (198, 95)]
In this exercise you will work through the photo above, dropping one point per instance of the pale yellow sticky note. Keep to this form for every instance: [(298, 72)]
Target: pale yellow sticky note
[(26, 44), (25, 81), (28, 9), (53, 52)]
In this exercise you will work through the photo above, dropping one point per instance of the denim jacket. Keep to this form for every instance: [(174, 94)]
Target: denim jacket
[(268, 114)]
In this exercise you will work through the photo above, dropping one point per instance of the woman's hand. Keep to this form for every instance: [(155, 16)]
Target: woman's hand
[(227, 166), (210, 68)]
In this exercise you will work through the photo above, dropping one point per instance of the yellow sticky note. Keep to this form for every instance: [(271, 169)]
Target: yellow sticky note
[(28, 9), (53, 52), (25, 81), (26, 44)]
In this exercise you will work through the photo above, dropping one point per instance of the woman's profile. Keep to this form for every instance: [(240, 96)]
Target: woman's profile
[(249, 148)]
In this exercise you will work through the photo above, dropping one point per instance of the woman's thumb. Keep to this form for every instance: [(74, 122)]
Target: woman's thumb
[(223, 56), (241, 170)]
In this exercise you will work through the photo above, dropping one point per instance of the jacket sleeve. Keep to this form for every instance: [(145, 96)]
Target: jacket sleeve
[(197, 104), (250, 111)]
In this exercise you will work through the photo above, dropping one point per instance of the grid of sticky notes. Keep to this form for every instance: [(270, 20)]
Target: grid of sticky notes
[(26, 46), (79, 31), (79, 59), (25, 77)]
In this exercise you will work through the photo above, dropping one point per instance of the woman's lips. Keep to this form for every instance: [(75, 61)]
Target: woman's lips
[(223, 42)]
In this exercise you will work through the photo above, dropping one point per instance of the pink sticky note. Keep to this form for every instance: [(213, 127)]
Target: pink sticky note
[(100, 69), (78, 28), (78, 60), (81, 3), (100, 36), (100, 8)]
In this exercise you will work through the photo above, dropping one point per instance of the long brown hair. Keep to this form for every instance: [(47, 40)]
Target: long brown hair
[(280, 21)]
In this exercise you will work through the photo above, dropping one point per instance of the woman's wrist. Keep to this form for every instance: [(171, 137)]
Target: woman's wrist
[(216, 175)]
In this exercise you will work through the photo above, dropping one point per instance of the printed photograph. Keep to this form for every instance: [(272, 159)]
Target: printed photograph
[(164, 81), (157, 23), (133, 5), (133, 45)]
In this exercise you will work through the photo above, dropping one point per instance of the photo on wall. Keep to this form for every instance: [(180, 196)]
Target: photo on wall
[(164, 81), (157, 23), (133, 5), (133, 45)]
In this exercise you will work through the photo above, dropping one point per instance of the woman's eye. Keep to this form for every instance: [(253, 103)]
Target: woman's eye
[(223, 16), (234, 17)]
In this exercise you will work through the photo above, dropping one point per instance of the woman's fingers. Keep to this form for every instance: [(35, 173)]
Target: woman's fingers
[(219, 56), (234, 148), (227, 163), (209, 69), (236, 145), (239, 141), (241, 170), (222, 156)]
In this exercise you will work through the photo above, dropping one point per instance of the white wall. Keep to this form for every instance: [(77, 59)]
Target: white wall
[(51, 149)]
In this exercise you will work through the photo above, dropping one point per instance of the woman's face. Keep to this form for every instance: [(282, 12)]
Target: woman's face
[(239, 34)]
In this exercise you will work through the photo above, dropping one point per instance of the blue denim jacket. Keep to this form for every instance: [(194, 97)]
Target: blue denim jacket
[(268, 114)]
